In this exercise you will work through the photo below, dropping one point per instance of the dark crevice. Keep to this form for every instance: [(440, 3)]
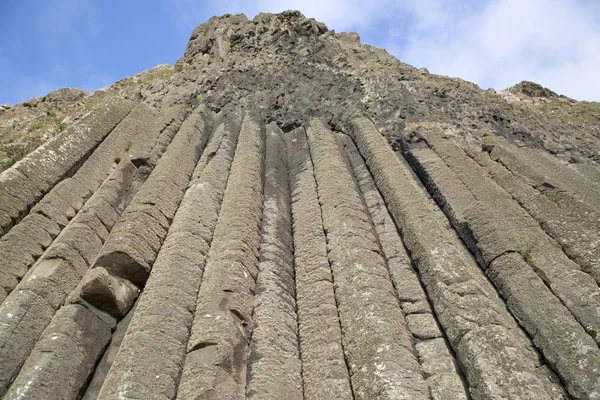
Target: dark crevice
[(415, 271), (177, 380), (415, 166), (201, 346), (91, 388), (337, 306), (68, 174), (290, 126)]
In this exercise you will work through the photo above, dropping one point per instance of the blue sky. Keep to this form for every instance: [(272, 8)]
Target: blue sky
[(49, 44)]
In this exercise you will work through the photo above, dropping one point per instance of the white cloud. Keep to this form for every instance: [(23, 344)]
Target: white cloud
[(555, 43), (494, 43)]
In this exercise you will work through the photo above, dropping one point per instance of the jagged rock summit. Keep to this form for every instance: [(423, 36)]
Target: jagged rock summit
[(289, 213)]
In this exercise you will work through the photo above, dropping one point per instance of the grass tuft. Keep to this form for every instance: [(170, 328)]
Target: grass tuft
[(526, 251)]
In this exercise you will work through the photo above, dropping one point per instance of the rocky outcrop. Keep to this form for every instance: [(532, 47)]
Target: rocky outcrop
[(289, 213)]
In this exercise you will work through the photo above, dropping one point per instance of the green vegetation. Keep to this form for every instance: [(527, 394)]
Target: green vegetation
[(148, 77), (38, 125), (556, 195), (199, 99), (144, 81), (189, 110), (53, 122), (579, 113), (16, 144), (526, 251), (59, 127), (95, 99), (10, 153)]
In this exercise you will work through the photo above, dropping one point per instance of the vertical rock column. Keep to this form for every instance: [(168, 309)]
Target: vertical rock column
[(65, 366), (215, 365), (133, 245), (437, 361), (57, 273), (47, 284), (493, 352), (532, 286), (63, 358), (324, 370), (150, 359), (22, 185), (377, 345), (561, 215), (274, 369), (20, 248)]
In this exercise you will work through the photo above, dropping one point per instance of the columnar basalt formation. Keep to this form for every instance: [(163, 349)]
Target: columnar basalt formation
[(291, 214)]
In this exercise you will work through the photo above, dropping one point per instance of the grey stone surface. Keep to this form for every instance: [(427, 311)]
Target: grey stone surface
[(215, 364), (66, 261), (24, 244), (63, 358), (492, 351), (526, 278), (377, 345), (105, 292), (440, 369), (568, 349), (324, 370), (131, 249), (156, 341), (274, 369), (375, 263), (55, 160), (27, 313), (420, 319), (492, 223), (540, 170), (570, 222), (92, 390), (59, 270)]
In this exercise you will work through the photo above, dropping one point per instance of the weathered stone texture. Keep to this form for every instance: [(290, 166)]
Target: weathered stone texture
[(496, 228), (493, 224), (63, 357), (25, 243), (26, 182), (215, 364), (135, 241), (494, 355), (274, 369), (569, 221), (376, 343), (324, 370), (59, 271), (290, 214), (156, 341), (444, 382)]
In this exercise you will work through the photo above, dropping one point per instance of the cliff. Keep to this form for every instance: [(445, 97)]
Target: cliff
[(289, 213)]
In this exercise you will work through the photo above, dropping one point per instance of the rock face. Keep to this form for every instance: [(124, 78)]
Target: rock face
[(288, 213)]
